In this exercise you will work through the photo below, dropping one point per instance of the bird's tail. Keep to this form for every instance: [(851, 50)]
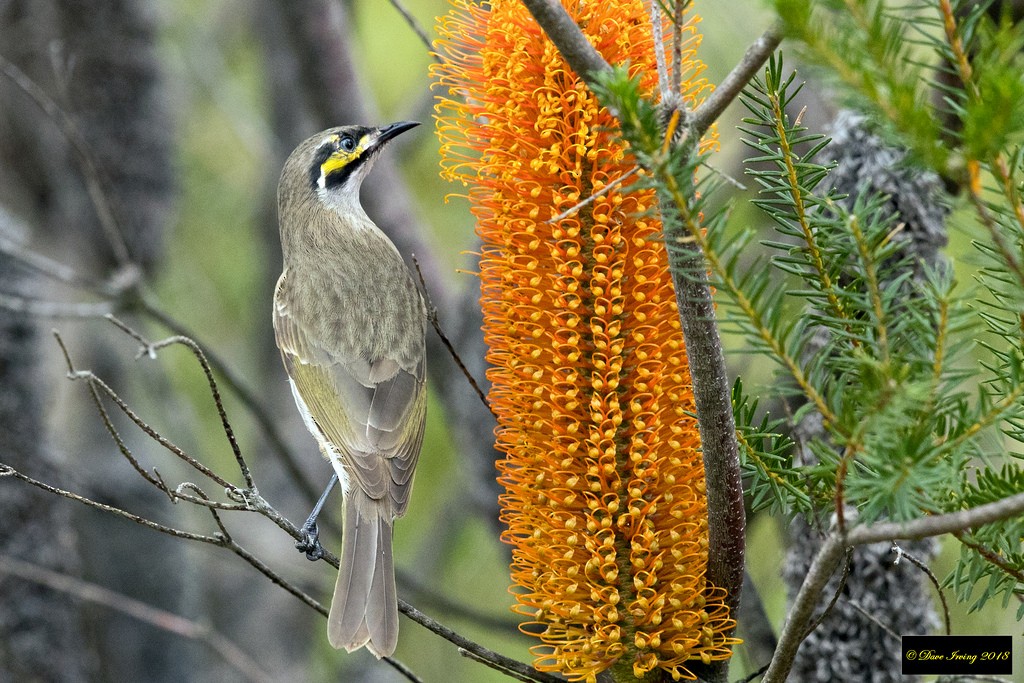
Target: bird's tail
[(364, 610)]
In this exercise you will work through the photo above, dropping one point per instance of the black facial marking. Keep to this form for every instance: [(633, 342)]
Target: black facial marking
[(323, 151), (347, 142)]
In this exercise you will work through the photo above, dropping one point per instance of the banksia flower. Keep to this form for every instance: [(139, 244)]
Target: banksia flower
[(604, 482)]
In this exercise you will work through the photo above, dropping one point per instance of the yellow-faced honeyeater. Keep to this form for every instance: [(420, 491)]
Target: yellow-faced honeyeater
[(350, 324)]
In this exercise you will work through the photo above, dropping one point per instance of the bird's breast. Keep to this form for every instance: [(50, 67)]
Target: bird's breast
[(357, 297)]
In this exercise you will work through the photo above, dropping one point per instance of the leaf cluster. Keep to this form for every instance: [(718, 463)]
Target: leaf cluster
[(917, 383)]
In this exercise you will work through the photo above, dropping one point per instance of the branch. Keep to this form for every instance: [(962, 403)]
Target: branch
[(244, 393), (154, 616), (477, 652), (416, 28), (568, 38), (795, 628), (253, 501), (732, 85), (802, 610), (150, 348), (937, 525), (684, 241), (8, 471), (587, 62), (40, 308), (39, 263)]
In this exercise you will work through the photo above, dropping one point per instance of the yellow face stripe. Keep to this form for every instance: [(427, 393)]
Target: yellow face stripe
[(341, 158)]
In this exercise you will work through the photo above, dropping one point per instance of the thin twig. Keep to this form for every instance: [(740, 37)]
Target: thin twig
[(244, 393), (426, 595), (45, 265), (873, 619), (38, 308), (94, 381), (848, 561), (435, 323), (757, 674), (828, 556), (497, 667), (154, 616), (150, 349), (402, 669), (604, 190), (931, 577), (416, 28), (8, 471), (503, 662)]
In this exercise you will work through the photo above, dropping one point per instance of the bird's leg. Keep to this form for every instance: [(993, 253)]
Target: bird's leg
[(310, 543)]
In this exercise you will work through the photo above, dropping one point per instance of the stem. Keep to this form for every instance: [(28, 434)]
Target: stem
[(732, 85), (795, 629), (568, 38), (712, 395)]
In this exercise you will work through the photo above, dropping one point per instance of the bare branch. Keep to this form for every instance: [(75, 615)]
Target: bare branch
[(732, 85), (150, 349), (604, 190), (54, 309), (795, 630), (154, 616), (436, 323), (416, 28), (936, 525), (42, 264), (8, 471), (96, 383), (244, 393), (847, 563), (252, 502), (497, 667), (568, 38), (802, 609), (901, 553), (501, 662), (403, 669)]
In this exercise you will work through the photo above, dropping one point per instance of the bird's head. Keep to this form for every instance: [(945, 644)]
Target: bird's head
[(333, 163)]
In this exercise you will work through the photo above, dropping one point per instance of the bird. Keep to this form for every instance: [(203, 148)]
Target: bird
[(350, 323)]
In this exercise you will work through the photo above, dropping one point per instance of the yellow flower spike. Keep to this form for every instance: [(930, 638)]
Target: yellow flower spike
[(603, 476)]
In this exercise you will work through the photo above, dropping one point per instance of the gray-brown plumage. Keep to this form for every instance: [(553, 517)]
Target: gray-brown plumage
[(350, 324)]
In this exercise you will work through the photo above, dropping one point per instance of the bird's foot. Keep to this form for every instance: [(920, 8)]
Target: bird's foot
[(310, 543)]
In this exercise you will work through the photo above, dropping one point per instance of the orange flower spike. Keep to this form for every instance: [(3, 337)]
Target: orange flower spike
[(604, 482)]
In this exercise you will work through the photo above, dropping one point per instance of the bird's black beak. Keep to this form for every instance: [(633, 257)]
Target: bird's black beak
[(394, 130)]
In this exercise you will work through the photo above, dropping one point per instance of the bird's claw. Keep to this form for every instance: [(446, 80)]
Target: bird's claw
[(310, 542)]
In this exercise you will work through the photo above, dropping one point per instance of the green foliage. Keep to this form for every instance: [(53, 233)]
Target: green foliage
[(872, 51), (1002, 541), (637, 116), (766, 455), (919, 384)]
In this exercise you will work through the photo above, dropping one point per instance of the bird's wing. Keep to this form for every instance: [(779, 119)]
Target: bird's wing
[(371, 409)]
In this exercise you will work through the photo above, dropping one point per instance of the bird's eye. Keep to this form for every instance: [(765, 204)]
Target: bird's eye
[(347, 143)]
